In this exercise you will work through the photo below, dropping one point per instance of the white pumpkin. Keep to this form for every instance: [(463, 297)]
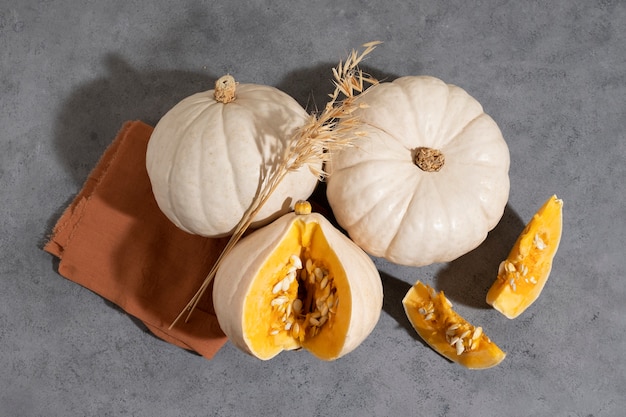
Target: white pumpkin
[(209, 154), (297, 283), (428, 180)]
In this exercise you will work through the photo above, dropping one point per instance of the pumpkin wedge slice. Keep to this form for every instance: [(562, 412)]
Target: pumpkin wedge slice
[(524, 273), (449, 334)]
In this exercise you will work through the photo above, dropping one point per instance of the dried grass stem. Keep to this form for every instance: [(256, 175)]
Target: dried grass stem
[(334, 128)]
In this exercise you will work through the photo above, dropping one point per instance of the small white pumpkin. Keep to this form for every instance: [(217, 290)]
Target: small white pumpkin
[(428, 180), (209, 154), (297, 283)]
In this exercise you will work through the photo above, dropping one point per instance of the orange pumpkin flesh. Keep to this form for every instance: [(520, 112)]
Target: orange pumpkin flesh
[(449, 334), (302, 239), (522, 276)]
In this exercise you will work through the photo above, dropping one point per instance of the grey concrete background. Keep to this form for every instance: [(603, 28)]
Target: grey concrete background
[(552, 74)]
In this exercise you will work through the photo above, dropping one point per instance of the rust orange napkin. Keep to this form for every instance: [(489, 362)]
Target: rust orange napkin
[(114, 240)]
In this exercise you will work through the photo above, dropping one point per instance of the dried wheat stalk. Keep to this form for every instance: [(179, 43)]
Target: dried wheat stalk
[(312, 145)]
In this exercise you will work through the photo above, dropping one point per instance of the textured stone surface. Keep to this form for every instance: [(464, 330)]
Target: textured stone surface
[(550, 73)]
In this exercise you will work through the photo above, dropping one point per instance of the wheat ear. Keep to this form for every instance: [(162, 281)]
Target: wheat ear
[(312, 145)]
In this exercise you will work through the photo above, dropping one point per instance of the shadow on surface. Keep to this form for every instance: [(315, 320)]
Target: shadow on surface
[(467, 279), (93, 114), (394, 290), (311, 86)]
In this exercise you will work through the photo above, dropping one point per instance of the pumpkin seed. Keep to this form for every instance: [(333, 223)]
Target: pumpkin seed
[(277, 287), (459, 347), (538, 242), (477, 332), (453, 327), (319, 274), (280, 300), (501, 268), (296, 261), (509, 266), (304, 316), (324, 282)]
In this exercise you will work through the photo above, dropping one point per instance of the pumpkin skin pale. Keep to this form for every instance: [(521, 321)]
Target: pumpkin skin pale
[(253, 307), (206, 158), (437, 211), (523, 275), (432, 316)]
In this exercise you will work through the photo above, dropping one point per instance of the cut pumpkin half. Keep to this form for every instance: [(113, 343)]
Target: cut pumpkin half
[(298, 283)]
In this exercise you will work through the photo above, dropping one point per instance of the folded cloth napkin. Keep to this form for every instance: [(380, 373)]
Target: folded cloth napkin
[(114, 240)]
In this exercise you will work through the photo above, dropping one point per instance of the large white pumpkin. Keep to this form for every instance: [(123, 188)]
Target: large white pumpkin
[(429, 179), (209, 154)]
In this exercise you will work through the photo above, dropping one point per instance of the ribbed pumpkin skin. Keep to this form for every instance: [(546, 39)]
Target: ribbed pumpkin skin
[(395, 210), (206, 159), (236, 275)]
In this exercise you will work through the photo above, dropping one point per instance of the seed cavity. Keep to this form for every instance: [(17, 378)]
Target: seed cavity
[(305, 307)]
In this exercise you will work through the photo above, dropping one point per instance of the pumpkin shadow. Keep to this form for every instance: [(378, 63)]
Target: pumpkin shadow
[(467, 279), (93, 114), (310, 86), (394, 290)]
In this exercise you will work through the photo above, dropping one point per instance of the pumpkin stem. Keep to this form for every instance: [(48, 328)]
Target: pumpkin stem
[(225, 89), (302, 207), (429, 159)]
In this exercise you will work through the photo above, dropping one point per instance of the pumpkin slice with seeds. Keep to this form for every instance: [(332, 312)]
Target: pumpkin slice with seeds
[(523, 275), (297, 283), (449, 334)]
